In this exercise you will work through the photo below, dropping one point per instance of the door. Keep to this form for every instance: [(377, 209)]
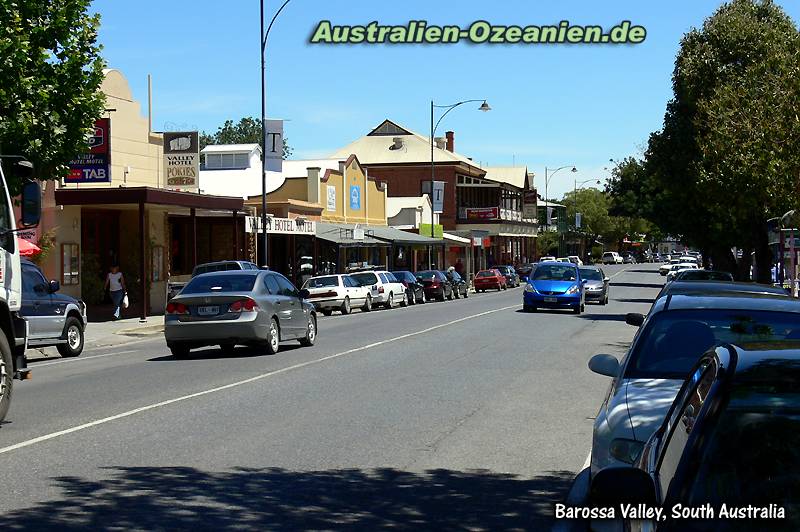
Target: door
[(38, 306), (354, 291), (291, 313)]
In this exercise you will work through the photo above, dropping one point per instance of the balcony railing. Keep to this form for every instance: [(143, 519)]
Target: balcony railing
[(492, 214)]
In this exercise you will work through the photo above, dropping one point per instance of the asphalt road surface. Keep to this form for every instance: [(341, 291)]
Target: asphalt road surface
[(465, 414)]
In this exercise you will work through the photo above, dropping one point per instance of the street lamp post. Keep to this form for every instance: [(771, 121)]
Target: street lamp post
[(483, 107), (575, 203), (547, 182), (263, 42)]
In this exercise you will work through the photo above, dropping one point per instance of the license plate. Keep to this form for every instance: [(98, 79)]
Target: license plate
[(550, 300), (208, 311)]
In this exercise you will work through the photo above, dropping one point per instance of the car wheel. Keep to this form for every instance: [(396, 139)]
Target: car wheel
[(527, 308), (311, 332), (273, 337), (327, 311), (421, 298), (390, 301), (179, 351), (73, 330), (466, 293), (345, 308), (604, 301), (6, 376), (450, 295), (577, 309), (367, 304), (457, 294), (404, 302), (227, 348)]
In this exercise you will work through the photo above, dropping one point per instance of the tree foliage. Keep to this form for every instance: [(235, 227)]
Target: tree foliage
[(246, 131), (50, 76)]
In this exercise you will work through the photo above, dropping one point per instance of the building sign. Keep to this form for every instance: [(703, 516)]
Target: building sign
[(477, 241), (281, 226), (274, 155), (425, 230), (529, 204), (331, 206), (483, 213), (437, 199), (355, 198), (95, 166), (181, 160)]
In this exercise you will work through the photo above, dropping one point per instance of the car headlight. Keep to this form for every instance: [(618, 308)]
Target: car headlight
[(574, 289), (624, 450), (529, 288)]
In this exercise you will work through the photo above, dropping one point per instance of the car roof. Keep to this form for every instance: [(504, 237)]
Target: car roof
[(726, 300), (716, 287), (589, 267), (233, 272), (767, 362), (557, 263)]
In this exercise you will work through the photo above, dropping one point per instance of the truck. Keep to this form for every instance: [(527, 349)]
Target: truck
[(13, 327)]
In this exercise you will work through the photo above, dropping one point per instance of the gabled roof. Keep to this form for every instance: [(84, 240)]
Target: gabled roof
[(516, 176), (377, 147), (396, 204), (231, 148)]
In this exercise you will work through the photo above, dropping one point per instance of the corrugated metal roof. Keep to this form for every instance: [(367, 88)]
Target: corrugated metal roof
[(510, 175)]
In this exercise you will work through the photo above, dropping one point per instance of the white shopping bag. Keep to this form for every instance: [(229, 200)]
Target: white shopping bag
[(125, 301)]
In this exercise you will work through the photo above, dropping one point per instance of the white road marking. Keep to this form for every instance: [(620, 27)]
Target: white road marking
[(53, 435), (619, 272), (78, 359)]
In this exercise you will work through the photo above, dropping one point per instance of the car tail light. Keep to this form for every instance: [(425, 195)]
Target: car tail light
[(177, 308), (380, 289), (243, 305)]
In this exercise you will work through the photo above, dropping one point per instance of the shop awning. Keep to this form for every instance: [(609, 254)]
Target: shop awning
[(403, 238), (455, 239), (146, 196), (342, 235)]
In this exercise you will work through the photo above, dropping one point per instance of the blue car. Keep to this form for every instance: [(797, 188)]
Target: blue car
[(554, 285)]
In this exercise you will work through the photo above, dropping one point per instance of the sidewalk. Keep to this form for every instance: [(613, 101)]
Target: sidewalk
[(108, 334)]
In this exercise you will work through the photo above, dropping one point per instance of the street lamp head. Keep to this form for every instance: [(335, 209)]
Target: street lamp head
[(484, 107), (574, 170)]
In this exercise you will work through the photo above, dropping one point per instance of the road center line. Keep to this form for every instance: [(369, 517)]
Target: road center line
[(78, 359), (153, 406)]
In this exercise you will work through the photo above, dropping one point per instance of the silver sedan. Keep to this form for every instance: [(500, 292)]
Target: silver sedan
[(256, 308), (596, 286)]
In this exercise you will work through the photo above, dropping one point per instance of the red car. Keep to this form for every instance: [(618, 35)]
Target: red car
[(486, 279)]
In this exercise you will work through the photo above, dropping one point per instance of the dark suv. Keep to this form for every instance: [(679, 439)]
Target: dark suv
[(415, 292), (53, 319), (511, 275)]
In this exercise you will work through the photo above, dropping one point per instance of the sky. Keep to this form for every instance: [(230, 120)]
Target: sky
[(552, 105)]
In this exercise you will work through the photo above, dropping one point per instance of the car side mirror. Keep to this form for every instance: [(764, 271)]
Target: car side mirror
[(606, 279), (304, 294), (31, 203), (55, 286), (604, 365), (622, 485), (584, 281), (634, 318)]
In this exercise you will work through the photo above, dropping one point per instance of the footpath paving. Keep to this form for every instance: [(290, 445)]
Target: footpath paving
[(108, 334)]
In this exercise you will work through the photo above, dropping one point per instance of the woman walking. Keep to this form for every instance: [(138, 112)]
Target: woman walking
[(115, 283)]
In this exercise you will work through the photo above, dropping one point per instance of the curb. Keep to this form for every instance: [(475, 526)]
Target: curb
[(141, 331)]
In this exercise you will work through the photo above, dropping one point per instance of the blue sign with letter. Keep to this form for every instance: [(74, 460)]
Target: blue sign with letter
[(355, 197)]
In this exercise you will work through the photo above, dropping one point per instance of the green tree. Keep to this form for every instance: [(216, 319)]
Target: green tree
[(246, 131), (593, 205), (50, 76), (726, 159)]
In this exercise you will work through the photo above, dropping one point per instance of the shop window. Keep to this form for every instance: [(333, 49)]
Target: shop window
[(157, 264), (70, 264)]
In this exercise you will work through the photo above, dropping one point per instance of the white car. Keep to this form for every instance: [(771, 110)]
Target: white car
[(612, 257), (680, 267), (665, 268), (385, 289), (547, 258), (574, 259), (563, 259), (338, 292)]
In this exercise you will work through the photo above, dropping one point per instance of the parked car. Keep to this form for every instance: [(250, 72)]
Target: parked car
[(338, 292), (489, 279), (524, 271), (415, 291), (670, 341), (612, 257), (715, 287), (512, 279), (53, 319), (665, 268), (628, 258), (435, 284), (460, 287), (207, 267), (574, 259), (386, 290), (680, 267), (730, 437), (596, 286), (554, 285), (702, 275), (245, 307), (547, 258)]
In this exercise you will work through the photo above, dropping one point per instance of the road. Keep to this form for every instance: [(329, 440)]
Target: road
[(463, 414)]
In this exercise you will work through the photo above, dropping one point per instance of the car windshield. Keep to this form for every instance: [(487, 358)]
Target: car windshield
[(591, 274), (322, 282), (426, 275), (673, 341), (552, 272), (365, 278), (703, 275), (485, 273), (401, 276), (753, 456), (220, 283)]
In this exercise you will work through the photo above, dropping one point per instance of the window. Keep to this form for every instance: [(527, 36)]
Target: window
[(215, 161), (157, 264), (70, 264), (322, 282), (365, 279), (33, 282), (272, 285), (286, 287), (220, 283)]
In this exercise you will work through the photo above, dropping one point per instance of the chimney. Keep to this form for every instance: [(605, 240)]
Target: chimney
[(440, 142), (451, 141), (312, 183)]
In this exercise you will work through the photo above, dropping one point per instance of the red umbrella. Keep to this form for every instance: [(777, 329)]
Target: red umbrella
[(27, 248)]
